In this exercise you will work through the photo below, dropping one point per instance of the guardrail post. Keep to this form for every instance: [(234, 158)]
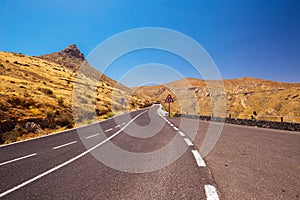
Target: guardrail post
[(281, 122)]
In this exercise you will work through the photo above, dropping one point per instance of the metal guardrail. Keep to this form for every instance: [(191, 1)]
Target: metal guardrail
[(290, 126), (291, 119)]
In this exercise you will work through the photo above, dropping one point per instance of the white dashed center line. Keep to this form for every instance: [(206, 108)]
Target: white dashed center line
[(123, 123), (63, 145), (67, 162), (16, 159), (88, 137), (117, 126), (199, 160), (175, 128), (108, 130)]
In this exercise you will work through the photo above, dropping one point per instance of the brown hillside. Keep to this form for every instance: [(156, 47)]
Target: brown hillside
[(37, 90), (70, 57), (243, 96)]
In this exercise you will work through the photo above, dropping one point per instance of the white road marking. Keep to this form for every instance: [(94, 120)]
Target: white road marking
[(16, 159), (117, 126), (123, 123), (68, 130), (171, 125), (88, 137), (63, 145), (188, 141), (199, 160), (108, 130), (68, 161), (181, 133), (211, 192), (175, 128)]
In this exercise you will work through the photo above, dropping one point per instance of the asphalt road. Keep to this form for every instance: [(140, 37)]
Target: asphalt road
[(251, 163), (139, 155)]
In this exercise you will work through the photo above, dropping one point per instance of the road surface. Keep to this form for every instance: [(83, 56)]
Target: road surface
[(82, 164), (252, 163), (122, 158)]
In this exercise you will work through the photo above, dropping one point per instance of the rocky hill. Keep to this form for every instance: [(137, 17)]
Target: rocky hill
[(41, 95), (70, 57), (270, 100)]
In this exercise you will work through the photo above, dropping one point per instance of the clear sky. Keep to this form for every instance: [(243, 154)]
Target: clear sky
[(244, 37)]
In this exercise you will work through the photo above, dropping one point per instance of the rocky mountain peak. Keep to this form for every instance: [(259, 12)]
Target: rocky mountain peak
[(72, 51), (70, 57)]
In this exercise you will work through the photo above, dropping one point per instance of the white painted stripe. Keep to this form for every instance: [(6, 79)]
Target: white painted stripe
[(16, 159), (175, 128), (188, 141), (123, 123), (211, 192), (117, 126), (63, 145), (67, 162), (199, 160), (171, 125), (181, 133), (88, 137), (108, 130), (71, 129)]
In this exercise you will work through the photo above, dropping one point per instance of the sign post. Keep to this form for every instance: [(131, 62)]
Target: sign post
[(168, 100), (122, 101)]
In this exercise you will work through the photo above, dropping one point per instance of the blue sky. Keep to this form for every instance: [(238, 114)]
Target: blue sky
[(244, 38)]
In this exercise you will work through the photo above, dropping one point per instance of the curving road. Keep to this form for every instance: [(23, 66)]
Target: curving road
[(139, 155), (252, 163), (143, 155)]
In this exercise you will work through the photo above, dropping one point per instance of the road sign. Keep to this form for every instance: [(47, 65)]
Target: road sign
[(169, 99), (122, 101)]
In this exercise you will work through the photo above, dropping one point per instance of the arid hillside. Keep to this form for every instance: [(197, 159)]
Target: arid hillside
[(41, 95), (270, 100)]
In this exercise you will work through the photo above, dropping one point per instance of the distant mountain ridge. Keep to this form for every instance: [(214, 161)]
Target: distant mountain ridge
[(243, 96)]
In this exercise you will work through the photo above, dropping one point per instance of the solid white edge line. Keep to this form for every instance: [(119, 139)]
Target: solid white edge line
[(211, 192), (199, 160), (110, 129), (16, 159), (68, 161), (63, 145), (88, 137), (188, 141), (181, 133)]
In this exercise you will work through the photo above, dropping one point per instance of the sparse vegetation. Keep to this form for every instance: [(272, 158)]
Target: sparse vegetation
[(46, 91), (269, 99), (109, 115), (39, 94), (60, 101)]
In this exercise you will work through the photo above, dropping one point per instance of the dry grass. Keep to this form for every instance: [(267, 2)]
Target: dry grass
[(31, 88), (270, 100)]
